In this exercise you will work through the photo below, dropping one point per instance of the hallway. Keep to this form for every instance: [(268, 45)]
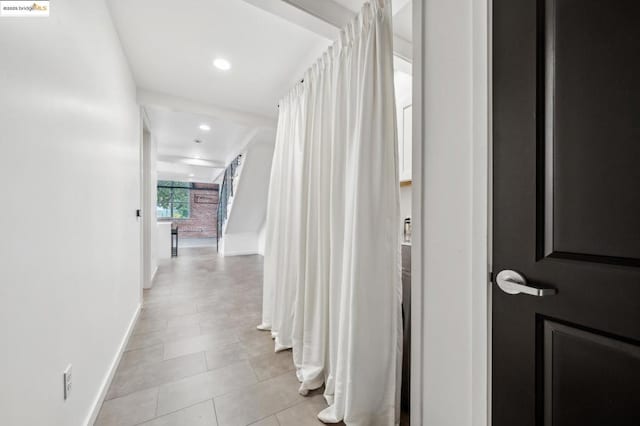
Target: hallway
[(196, 358)]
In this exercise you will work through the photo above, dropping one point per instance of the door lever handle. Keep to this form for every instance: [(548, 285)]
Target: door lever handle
[(512, 282)]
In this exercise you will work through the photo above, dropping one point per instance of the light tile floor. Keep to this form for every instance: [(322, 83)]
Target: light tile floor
[(195, 357)]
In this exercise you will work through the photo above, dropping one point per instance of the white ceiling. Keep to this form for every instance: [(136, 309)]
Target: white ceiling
[(176, 132), (171, 46), (181, 158), (402, 23)]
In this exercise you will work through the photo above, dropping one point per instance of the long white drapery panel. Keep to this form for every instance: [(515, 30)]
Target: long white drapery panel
[(332, 287)]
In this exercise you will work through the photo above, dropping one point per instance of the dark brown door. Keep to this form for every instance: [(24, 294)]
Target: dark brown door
[(566, 213)]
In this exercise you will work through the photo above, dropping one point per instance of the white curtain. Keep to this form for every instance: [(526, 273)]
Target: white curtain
[(332, 288)]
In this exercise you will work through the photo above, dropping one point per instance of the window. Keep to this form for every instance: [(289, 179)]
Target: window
[(174, 200)]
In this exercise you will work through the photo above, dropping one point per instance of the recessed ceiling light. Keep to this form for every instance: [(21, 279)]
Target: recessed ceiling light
[(222, 64), (197, 157), (205, 127), (190, 174)]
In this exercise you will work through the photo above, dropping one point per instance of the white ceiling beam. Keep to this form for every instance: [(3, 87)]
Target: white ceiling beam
[(256, 136), (180, 159), (327, 11), (402, 49), (242, 146), (327, 18), (176, 103), (182, 172), (298, 16)]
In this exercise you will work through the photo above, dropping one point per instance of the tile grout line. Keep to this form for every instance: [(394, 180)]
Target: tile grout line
[(159, 385), (172, 412), (253, 370), (206, 362), (212, 397), (243, 387), (275, 415), (155, 413), (215, 411), (289, 407)]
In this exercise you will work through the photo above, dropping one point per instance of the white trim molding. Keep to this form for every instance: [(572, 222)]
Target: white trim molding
[(326, 18), (97, 404), (158, 99), (240, 244), (481, 215), (417, 206), (450, 357)]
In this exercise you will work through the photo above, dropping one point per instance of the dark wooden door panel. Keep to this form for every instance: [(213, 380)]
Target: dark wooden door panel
[(592, 128), (590, 379), (566, 211)]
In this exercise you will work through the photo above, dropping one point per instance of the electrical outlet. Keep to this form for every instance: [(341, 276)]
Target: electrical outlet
[(67, 382)]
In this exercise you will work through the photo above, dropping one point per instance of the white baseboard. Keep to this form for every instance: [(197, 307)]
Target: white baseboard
[(93, 414), (240, 253), (242, 244), (153, 275)]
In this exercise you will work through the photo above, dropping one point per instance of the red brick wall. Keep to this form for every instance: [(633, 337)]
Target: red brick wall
[(202, 220)]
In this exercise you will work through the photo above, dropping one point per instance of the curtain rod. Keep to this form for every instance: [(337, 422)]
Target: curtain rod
[(301, 81)]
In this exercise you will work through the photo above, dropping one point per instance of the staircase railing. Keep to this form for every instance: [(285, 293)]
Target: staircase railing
[(226, 192)]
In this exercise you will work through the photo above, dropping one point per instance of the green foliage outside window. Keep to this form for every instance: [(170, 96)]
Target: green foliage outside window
[(174, 199)]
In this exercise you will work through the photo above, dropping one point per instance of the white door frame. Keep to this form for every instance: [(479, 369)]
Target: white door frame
[(451, 40), (145, 203), (140, 218), (417, 206)]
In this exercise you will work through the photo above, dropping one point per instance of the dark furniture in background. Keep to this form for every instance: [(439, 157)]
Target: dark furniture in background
[(406, 323), (174, 240)]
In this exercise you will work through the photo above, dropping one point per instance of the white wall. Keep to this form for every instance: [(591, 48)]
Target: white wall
[(240, 244), (450, 205), (250, 199), (163, 241), (248, 211), (70, 253), (262, 235), (404, 99), (153, 189), (403, 89)]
